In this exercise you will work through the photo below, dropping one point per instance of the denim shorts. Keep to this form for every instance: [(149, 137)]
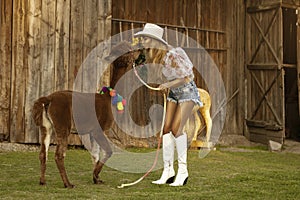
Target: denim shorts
[(185, 92)]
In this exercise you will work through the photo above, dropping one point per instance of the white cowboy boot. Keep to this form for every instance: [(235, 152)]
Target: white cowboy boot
[(182, 174), (168, 173)]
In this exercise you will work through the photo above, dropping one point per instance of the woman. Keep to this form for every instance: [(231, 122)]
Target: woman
[(182, 97)]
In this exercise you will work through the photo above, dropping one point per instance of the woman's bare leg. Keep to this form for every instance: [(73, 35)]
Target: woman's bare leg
[(170, 112), (181, 115)]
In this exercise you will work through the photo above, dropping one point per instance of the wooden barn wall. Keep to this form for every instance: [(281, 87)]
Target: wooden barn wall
[(42, 45), (44, 42), (220, 25)]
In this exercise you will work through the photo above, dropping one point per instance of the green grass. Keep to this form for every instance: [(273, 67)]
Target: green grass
[(220, 175)]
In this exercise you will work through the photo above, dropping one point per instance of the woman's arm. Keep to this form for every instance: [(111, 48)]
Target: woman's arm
[(175, 83)]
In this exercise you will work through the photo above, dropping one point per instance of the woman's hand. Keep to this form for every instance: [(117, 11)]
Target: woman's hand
[(163, 86), (174, 83)]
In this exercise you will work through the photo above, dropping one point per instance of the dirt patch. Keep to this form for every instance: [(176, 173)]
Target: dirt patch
[(14, 147), (236, 141), (291, 146)]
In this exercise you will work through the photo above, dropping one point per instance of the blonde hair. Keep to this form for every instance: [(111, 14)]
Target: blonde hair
[(156, 56)]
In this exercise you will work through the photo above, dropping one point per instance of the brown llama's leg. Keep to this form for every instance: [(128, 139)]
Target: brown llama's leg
[(104, 144), (62, 144), (45, 142), (43, 164), (97, 169)]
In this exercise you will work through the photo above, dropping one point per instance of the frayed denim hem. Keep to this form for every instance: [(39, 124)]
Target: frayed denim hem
[(171, 100), (196, 101)]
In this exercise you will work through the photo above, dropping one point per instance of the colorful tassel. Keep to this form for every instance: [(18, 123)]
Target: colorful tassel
[(120, 106), (124, 102), (117, 99), (112, 93), (114, 100)]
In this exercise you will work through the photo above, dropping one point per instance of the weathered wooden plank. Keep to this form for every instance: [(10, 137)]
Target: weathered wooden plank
[(117, 12), (191, 21), (33, 71), (261, 6), (262, 66), (174, 13), (297, 2), (104, 33), (291, 3), (230, 78), (263, 136), (5, 66), (264, 125), (48, 47), (62, 44), (104, 19), (19, 65), (214, 23), (128, 6), (150, 14), (140, 12), (76, 40), (90, 37), (118, 9)]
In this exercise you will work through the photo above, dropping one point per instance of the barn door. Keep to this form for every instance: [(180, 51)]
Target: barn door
[(264, 74)]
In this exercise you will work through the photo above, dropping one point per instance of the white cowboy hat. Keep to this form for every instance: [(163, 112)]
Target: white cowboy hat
[(153, 31)]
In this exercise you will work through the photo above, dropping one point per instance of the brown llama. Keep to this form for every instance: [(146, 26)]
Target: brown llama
[(55, 113)]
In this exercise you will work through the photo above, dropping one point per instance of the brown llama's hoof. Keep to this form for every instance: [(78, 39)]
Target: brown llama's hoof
[(97, 181), (42, 183), (70, 186)]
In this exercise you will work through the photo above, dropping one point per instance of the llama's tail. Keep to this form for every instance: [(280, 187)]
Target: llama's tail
[(37, 110)]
